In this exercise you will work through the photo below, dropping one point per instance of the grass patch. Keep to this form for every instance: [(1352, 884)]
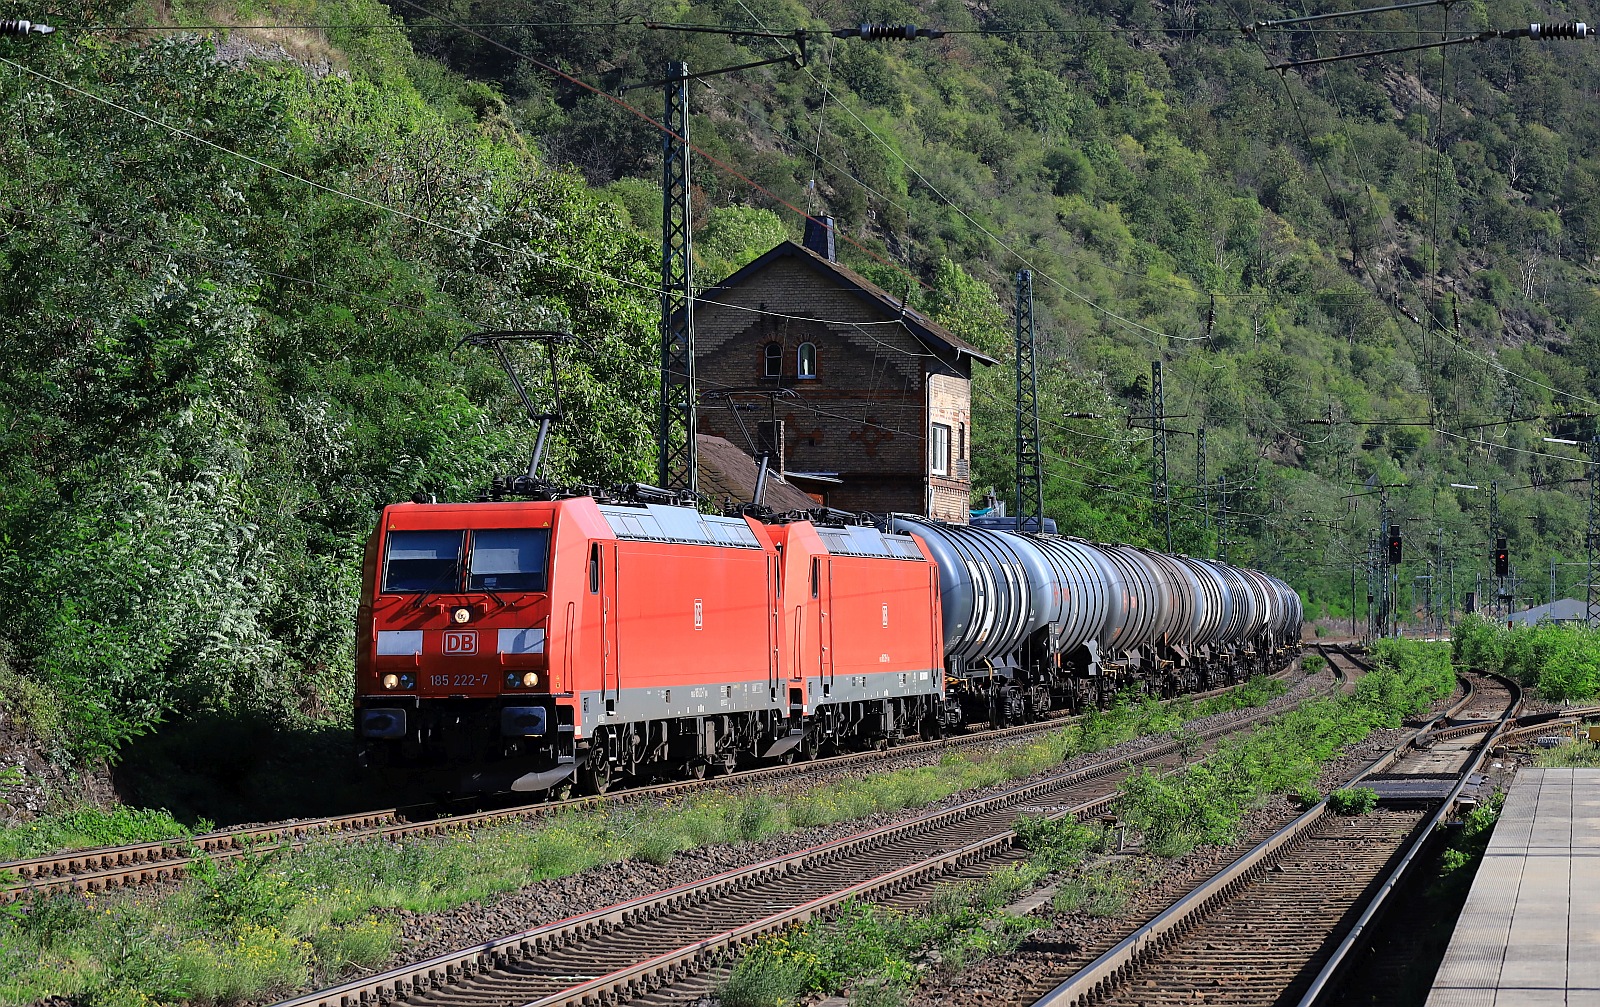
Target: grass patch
[(1205, 803), (1576, 753), (271, 921), (1106, 892), (1353, 801), (881, 953), (88, 827)]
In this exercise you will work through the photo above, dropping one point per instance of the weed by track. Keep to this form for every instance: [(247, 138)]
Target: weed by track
[(277, 920), (881, 955)]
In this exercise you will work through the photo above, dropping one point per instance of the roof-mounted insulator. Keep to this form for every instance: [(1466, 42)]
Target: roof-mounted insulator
[(24, 28), (1541, 31), (908, 32)]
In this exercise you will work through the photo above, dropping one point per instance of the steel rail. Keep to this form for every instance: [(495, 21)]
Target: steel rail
[(1335, 968), (105, 868), (437, 974), (1107, 973)]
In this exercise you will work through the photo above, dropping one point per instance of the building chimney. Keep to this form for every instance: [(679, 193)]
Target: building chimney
[(819, 236)]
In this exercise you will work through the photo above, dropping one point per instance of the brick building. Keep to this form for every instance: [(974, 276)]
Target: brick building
[(866, 405)]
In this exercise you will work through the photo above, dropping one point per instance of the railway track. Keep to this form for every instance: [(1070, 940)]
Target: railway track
[(635, 948), (1278, 925), (164, 860)]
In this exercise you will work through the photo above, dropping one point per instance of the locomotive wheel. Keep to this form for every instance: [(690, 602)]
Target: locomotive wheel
[(594, 776), (809, 747)]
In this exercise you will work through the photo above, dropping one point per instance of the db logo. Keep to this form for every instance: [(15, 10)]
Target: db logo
[(458, 641)]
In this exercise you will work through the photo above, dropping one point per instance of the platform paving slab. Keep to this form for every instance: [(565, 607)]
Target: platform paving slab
[(1529, 934)]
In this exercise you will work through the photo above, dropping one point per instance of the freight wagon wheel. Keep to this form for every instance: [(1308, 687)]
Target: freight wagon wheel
[(594, 776)]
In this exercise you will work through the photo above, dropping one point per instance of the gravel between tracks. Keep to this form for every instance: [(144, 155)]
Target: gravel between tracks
[(1065, 944), (427, 934)]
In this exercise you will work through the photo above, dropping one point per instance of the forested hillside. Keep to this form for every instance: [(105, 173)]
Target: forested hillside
[(233, 287)]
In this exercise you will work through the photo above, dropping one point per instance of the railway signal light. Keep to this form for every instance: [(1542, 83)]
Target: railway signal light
[(1502, 558), (1394, 545)]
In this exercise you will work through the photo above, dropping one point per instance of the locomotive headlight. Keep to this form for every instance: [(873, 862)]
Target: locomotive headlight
[(407, 680), (462, 615), (529, 680), (391, 681), (511, 680)]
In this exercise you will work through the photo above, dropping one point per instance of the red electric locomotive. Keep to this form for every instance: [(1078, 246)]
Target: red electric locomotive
[(523, 645)]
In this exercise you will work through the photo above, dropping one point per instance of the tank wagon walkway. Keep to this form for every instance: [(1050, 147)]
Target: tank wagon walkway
[(1529, 935)]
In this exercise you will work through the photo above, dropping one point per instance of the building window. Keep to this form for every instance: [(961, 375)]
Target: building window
[(806, 360), (961, 441), (939, 450), (772, 361)]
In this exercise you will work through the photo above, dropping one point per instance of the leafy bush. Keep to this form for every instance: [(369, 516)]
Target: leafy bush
[(1057, 842), (1562, 662), (1204, 803), (246, 890), (1352, 800), (87, 827)]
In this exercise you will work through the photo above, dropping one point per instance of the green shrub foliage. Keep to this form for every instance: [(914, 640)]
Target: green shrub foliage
[(1562, 662), (1353, 801), (214, 371), (1205, 802)]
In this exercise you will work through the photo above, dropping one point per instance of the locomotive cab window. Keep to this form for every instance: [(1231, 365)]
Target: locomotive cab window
[(594, 568), (420, 561), (509, 559)]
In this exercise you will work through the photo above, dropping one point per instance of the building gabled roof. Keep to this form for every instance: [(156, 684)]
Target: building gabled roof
[(1560, 610), (936, 336), (726, 471)]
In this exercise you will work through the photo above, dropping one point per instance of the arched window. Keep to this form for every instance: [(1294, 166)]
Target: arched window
[(772, 361), (806, 361)]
